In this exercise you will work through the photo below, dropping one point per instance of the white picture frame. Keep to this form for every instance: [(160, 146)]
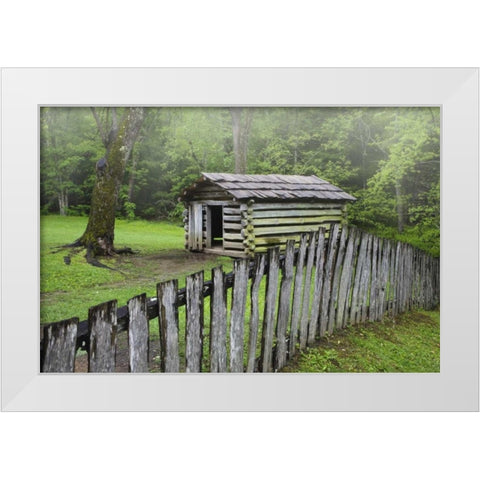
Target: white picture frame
[(455, 388)]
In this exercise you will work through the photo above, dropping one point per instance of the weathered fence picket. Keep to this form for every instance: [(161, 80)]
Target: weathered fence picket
[(317, 287), (336, 281), (297, 294), (326, 284), (60, 345), (284, 305), (138, 334), (218, 322), (194, 323), (360, 260), (258, 272), (270, 306), (237, 317), (345, 279), (102, 328), (328, 278), (168, 325), (307, 290)]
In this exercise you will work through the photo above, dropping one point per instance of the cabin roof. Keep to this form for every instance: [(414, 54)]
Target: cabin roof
[(270, 187)]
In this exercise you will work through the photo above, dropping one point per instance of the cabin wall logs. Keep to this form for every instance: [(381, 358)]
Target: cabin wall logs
[(253, 227)]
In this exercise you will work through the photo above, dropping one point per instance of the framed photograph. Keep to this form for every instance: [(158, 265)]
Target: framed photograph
[(34, 100)]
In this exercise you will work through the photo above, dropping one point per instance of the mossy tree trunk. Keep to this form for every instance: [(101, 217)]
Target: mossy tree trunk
[(241, 123), (119, 137)]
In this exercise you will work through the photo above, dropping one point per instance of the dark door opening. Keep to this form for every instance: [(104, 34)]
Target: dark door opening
[(216, 226)]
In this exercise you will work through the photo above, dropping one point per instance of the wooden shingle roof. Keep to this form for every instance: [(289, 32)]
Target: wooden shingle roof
[(271, 187)]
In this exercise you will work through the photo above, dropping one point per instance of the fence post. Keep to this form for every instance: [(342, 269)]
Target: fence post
[(312, 236), (102, 332), (328, 278), (270, 305), (336, 280), (168, 325), (138, 334), (317, 286), (258, 271), (59, 346), (297, 294), (284, 306), (194, 322), (218, 322), (346, 278), (237, 316)]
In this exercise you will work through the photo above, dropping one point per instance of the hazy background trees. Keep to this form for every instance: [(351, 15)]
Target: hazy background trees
[(389, 158)]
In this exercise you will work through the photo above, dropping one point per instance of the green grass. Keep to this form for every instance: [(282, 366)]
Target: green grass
[(410, 344), (69, 290)]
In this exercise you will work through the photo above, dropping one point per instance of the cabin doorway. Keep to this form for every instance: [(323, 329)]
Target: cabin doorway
[(214, 226)]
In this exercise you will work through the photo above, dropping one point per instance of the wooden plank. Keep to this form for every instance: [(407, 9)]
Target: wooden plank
[(345, 279), (297, 295), (227, 245), (168, 325), (233, 237), (195, 226), (231, 211), (138, 334), (218, 322), (270, 306), (317, 287), (237, 316), (336, 282), (284, 306), (295, 220), (232, 218), (391, 278), (258, 272), (365, 281), (232, 226), (374, 281), (328, 278), (274, 230), (226, 203), (102, 332), (208, 227), (258, 215), (351, 278), (194, 322), (357, 282), (383, 279), (397, 275), (303, 331), (59, 346), (294, 205)]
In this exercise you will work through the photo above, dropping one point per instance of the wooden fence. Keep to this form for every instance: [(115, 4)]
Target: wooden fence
[(259, 314)]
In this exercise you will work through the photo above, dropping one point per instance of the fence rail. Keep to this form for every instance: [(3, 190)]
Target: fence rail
[(323, 284)]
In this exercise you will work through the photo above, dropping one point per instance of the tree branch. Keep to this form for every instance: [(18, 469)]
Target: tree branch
[(101, 130)]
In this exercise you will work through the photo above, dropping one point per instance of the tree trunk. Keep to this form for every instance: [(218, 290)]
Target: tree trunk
[(119, 140), (400, 208), (241, 131), (63, 202)]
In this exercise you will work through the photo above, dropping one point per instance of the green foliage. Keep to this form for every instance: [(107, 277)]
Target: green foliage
[(388, 158), (69, 148)]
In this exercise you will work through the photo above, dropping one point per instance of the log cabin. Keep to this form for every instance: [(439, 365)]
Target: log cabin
[(240, 215)]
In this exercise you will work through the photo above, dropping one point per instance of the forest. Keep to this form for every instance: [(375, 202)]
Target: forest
[(387, 157)]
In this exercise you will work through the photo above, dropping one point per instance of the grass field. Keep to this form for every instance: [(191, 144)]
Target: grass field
[(69, 290), (411, 343)]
